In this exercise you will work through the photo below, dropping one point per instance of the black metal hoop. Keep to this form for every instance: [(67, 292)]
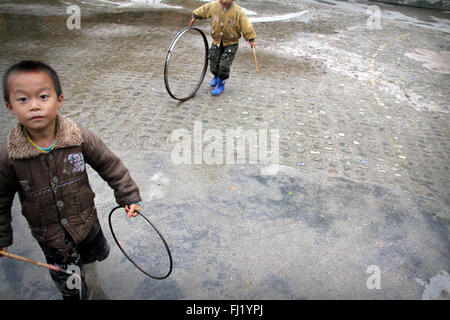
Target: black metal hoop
[(166, 65), (128, 257)]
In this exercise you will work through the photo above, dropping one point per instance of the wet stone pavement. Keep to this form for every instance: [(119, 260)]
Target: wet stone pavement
[(363, 120)]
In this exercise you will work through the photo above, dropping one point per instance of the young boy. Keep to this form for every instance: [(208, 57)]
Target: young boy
[(228, 22), (44, 160)]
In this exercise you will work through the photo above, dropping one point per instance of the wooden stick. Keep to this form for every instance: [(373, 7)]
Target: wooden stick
[(41, 264), (256, 60), (37, 263)]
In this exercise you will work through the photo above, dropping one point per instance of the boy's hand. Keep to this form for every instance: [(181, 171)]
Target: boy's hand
[(191, 23), (131, 210), (4, 249)]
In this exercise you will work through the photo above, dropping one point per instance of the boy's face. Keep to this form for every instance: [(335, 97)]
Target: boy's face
[(226, 3), (33, 99)]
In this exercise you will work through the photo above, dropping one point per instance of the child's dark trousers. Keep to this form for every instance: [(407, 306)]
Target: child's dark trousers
[(221, 58), (73, 257)]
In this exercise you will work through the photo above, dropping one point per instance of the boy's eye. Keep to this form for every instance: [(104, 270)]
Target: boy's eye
[(44, 96), (22, 99)]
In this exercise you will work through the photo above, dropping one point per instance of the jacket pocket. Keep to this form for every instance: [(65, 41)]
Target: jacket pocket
[(84, 204)]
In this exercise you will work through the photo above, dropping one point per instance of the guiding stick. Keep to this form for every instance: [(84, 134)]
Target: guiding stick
[(41, 264), (37, 263), (256, 60)]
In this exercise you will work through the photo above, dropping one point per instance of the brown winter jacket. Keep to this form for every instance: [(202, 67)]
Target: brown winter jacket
[(226, 25), (53, 188)]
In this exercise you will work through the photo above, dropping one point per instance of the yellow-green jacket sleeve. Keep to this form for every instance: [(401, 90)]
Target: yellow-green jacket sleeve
[(246, 27), (203, 12)]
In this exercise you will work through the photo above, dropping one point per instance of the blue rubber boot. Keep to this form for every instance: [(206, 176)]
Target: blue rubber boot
[(214, 81), (219, 87)]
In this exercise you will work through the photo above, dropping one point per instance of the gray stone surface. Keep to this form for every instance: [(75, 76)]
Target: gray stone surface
[(364, 150), (431, 4)]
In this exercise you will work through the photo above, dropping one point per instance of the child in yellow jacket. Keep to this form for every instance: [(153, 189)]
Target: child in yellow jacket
[(228, 23)]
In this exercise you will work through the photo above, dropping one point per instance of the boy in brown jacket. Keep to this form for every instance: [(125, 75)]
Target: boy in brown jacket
[(44, 160), (228, 22)]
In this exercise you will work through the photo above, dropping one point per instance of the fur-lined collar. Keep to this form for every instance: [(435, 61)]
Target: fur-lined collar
[(68, 135)]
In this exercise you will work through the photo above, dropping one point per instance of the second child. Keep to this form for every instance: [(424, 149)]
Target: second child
[(228, 23)]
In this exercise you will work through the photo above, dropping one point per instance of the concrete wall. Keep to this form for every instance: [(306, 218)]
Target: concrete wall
[(432, 4)]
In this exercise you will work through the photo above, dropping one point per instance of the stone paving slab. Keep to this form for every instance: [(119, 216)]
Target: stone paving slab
[(237, 233), (363, 141)]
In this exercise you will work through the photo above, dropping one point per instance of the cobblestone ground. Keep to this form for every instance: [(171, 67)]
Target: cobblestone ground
[(347, 100)]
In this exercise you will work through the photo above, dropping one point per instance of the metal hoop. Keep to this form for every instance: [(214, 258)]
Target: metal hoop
[(166, 65), (128, 257)]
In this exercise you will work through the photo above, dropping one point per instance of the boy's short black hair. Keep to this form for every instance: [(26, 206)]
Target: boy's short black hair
[(30, 66)]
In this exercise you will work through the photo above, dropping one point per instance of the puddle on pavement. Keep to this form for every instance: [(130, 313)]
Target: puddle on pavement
[(434, 18), (433, 61)]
